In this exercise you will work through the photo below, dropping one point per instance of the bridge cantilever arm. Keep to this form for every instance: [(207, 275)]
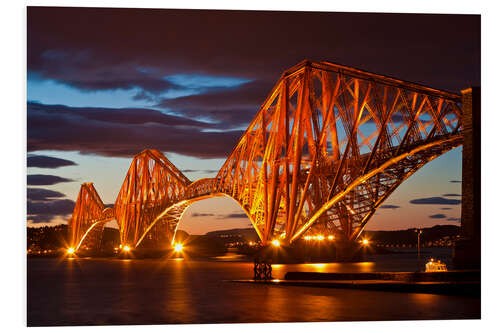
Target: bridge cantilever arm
[(362, 179)]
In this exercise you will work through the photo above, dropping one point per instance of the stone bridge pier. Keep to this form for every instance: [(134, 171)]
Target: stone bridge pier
[(467, 251)]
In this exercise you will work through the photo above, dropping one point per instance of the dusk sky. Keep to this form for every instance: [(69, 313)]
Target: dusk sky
[(104, 84)]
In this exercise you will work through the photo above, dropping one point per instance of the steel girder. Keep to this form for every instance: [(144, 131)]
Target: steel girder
[(151, 186), (88, 219), (327, 147)]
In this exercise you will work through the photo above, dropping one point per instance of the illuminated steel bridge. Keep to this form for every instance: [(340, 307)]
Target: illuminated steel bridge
[(329, 144)]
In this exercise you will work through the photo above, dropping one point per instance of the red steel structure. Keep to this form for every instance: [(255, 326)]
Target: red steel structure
[(329, 144)]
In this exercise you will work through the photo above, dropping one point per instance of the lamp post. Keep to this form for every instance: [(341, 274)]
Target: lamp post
[(419, 232)]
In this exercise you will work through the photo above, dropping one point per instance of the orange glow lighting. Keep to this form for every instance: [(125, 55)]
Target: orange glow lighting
[(178, 247)]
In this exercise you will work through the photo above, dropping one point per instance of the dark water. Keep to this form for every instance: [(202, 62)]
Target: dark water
[(153, 291)]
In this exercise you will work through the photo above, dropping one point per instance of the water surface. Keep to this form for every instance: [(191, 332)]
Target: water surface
[(159, 291)]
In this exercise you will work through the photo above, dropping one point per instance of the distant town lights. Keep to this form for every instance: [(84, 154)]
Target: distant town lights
[(331, 237), (320, 237)]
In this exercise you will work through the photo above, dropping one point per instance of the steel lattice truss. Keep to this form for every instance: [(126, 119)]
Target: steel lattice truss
[(328, 146), (88, 218)]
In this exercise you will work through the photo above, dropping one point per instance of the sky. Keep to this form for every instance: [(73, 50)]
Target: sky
[(104, 84)]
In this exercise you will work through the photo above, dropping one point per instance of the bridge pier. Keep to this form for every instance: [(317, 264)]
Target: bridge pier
[(467, 251)]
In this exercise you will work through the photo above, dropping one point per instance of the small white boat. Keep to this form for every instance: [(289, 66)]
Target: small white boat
[(435, 266)]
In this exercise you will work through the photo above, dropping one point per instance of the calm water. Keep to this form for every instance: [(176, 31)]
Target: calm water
[(153, 291)]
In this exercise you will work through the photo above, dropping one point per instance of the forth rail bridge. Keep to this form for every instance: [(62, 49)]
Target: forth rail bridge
[(329, 144)]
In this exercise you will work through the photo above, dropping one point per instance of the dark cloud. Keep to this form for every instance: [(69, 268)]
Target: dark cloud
[(42, 194), (457, 219), (435, 201), (455, 181), (123, 116), (445, 208), (228, 108), (194, 170), (389, 206), (123, 132), (125, 48), (202, 214), (45, 211), (437, 216), (119, 75), (232, 216), (141, 48), (46, 180), (48, 162), (452, 195)]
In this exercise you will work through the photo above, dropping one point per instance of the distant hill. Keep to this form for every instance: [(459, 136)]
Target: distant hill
[(409, 236), (248, 234)]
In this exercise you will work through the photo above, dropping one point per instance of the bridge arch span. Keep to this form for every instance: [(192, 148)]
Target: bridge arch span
[(176, 212)]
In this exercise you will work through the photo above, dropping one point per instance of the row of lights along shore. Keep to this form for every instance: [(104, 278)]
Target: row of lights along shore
[(277, 243), (319, 237), (178, 247)]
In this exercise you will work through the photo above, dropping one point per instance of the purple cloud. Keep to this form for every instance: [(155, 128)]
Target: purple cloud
[(42, 194), (435, 201), (202, 214), (119, 132), (389, 207), (233, 216), (437, 216), (45, 211), (124, 48), (48, 162), (46, 180)]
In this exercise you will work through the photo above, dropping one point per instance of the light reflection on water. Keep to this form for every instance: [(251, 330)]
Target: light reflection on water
[(358, 267), (154, 291)]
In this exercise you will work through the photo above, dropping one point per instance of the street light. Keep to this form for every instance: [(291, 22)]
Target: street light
[(419, 232), (126, 248), (178, 247), (365, 241), (70, 250), (276, 242)]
